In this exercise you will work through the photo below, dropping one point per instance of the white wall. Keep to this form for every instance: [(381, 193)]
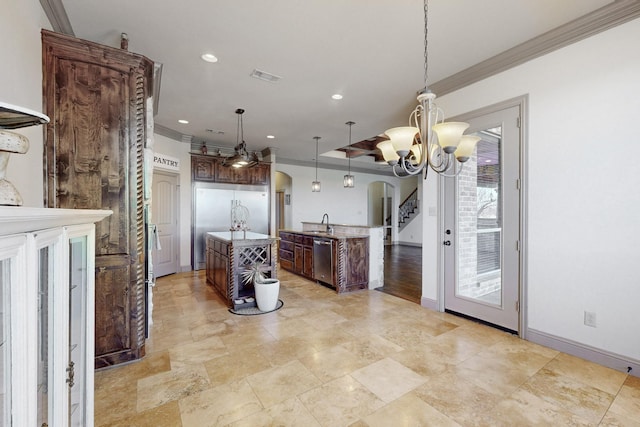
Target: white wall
[(582, 201), (180, 150), (343, 205), (21, 84)]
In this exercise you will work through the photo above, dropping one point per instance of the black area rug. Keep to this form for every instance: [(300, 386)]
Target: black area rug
[(253, 311)]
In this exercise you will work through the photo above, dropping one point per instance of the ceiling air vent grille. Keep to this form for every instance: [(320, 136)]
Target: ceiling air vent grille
[(263, 75)]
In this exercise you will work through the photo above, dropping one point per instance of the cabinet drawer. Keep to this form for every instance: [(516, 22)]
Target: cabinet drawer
[(286, 237), (307, 241), (299, 238), (287, 246), (287, 255), (286, 264), (220, 247)]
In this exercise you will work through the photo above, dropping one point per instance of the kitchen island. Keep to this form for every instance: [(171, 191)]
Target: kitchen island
[(345, 251), (229, 253)]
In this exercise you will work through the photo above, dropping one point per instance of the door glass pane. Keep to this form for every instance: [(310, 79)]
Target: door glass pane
[(77, 329), (479, 222), (5, 335), (45, 276)]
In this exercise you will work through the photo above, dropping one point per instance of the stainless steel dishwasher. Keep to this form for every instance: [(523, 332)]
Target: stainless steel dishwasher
[(323, 261)]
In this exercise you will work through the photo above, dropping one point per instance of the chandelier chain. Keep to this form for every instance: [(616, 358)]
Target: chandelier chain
[(316, 138), (426, 43)]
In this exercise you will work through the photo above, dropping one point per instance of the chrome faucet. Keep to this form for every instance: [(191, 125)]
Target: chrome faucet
[(328, 230)]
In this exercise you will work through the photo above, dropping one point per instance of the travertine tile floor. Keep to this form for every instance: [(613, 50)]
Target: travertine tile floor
[(360, 359)]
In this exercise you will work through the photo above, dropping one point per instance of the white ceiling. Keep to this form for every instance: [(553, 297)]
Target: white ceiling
[(370, 51)]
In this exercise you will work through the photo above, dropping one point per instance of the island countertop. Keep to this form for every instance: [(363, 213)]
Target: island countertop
[(334, 235), (230, 236)]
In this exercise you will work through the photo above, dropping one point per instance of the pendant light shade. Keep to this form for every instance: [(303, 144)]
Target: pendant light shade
[(315, 185), (349, 180), (389, 154)]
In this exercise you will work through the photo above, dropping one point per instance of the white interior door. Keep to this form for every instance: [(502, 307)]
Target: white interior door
[(164, 214), (482, 224)]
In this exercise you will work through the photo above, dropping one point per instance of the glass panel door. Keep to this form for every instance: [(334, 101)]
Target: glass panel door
[(5, 342), (482, 224), (45, 273), (479, 222), (78, 276)]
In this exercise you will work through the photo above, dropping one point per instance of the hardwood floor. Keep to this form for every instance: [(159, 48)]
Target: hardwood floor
[(403, 272)]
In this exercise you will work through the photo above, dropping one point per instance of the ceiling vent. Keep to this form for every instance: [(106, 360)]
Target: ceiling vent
[(262, 75)]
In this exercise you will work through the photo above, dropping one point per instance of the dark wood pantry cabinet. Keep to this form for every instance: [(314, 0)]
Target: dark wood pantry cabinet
[(98, 99)]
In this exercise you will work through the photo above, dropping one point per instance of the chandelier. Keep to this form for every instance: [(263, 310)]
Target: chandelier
[(410, 149), (241, 157), (349, 180)]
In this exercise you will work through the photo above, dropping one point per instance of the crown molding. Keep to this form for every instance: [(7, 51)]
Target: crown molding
[(609, 16), (170, 133), (57, 15)]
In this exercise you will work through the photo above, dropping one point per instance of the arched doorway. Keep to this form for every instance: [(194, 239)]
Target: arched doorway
[(283, 201)]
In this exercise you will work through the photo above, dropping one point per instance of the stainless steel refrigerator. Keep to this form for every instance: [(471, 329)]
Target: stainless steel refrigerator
[(212, 212)]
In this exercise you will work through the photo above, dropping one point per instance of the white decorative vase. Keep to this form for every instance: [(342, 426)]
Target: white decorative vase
[(10, 142), (267, 294)]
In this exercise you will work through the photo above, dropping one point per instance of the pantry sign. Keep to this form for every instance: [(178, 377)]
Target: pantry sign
[(162, 161)]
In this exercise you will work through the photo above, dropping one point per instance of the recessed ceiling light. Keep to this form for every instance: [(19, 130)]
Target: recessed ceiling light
[(336, 96), (270, 136), (209, 57), (183, 121)]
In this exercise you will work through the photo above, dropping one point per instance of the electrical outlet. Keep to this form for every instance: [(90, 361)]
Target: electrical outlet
[(590, 318)]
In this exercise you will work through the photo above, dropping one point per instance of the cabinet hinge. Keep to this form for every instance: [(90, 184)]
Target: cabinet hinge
[(518, 122), (518, 184), (517, 306), (518, 245), (71, 374)]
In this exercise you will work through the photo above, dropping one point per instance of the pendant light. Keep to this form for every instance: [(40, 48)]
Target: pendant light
[(349, 180), (315, 185)]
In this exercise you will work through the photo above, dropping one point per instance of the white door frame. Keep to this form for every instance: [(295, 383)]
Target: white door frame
[(522, 103)]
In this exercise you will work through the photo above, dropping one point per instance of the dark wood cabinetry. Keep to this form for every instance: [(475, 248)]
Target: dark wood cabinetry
[(350, 258), (229, 254), (97, 98), (356, 263), (211, 169), (296, 253), (218, 265)]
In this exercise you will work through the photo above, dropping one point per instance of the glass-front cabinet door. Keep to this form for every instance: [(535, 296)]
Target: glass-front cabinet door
[(50, 270), (13, 300), (5, 341), (47, 316), (81, 329)]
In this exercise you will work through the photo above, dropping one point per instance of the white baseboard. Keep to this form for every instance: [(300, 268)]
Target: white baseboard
[(429, 303), (602, 357), (185, 268)]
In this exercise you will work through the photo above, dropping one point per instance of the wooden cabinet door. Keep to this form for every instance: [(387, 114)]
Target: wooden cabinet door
[(210, 265), (357, 261), (298, 258), (231, 175), (307, 268), (259, 174), (97, 97), (203, 168)]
